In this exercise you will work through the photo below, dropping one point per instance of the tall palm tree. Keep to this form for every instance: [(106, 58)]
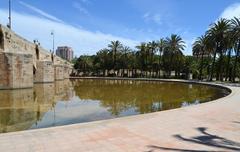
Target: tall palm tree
[(218, 33), (153, 46), (197, 49), (115, 46), (143, 55), (175, 45), (230, 43), (152, 50), (200, 47), (161, 47), (235, 27), (126, 51), (103, 58)]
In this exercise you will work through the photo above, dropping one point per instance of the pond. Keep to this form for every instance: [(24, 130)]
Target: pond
[(84, 100)]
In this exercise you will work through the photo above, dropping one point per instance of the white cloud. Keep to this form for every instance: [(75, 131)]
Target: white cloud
[(231, 11), (41, 12), (80, 8), (149, 17), (82, 41)]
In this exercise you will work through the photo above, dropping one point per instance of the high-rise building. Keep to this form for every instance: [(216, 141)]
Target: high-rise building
[(65, 52)]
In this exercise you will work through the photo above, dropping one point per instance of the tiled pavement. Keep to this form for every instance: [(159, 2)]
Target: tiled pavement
[(212, 126)]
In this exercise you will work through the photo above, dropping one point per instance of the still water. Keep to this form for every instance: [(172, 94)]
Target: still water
[(76, 101)]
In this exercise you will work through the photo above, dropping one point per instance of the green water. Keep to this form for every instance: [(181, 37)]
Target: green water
[(76, 101)]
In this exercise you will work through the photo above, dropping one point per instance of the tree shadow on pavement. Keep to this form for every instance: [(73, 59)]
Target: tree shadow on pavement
[(236, 122), (206, 139)]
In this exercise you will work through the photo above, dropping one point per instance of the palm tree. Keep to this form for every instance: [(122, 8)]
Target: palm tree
[(175, 45), (115, 46), (235, 27), (126, 50), (143, 55), (200, 47), (103, 59), (161, 47), (152, 50), (218, 33), (230, 47), (197, 50), (153, 46)]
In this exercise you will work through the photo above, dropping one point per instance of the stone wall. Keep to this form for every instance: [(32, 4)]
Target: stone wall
[(58, 72), (23, 62), (16, 70), (44, 72)]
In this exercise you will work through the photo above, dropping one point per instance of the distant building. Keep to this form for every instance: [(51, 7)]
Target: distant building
[(65, 52)]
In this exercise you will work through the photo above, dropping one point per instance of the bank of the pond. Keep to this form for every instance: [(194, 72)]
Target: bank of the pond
[(212, 126), (214, 84)]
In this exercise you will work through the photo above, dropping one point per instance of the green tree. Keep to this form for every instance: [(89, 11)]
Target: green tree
[(218, 33), (142, 55), (161, 47), (202, 47), (115, 46), (235, 27), (174, 46)]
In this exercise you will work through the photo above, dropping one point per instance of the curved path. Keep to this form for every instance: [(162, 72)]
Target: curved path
[(212, 126)]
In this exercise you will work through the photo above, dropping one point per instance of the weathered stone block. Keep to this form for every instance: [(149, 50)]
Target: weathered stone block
[(58, 72), (16, 70), (67, 72), (44, 72)]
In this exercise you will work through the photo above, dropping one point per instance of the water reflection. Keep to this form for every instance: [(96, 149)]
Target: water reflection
[(21, 109), (67, 102), (145, 97)]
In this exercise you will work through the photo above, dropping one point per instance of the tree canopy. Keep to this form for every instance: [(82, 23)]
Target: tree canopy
[(215, 55)]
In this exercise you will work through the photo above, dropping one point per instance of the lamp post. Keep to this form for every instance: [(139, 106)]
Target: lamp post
[(53, 41), (9, 15)]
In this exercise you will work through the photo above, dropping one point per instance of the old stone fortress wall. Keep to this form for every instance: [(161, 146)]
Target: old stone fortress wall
[(23, 63)]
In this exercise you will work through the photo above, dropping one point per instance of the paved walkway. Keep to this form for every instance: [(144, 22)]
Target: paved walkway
[(212, 126)]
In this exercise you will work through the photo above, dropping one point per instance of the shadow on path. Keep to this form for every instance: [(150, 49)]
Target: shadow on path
[(236, 122), (205, 139), (178, 150)]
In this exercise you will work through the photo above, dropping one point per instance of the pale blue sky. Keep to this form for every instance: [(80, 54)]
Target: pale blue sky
[(88, 25)]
